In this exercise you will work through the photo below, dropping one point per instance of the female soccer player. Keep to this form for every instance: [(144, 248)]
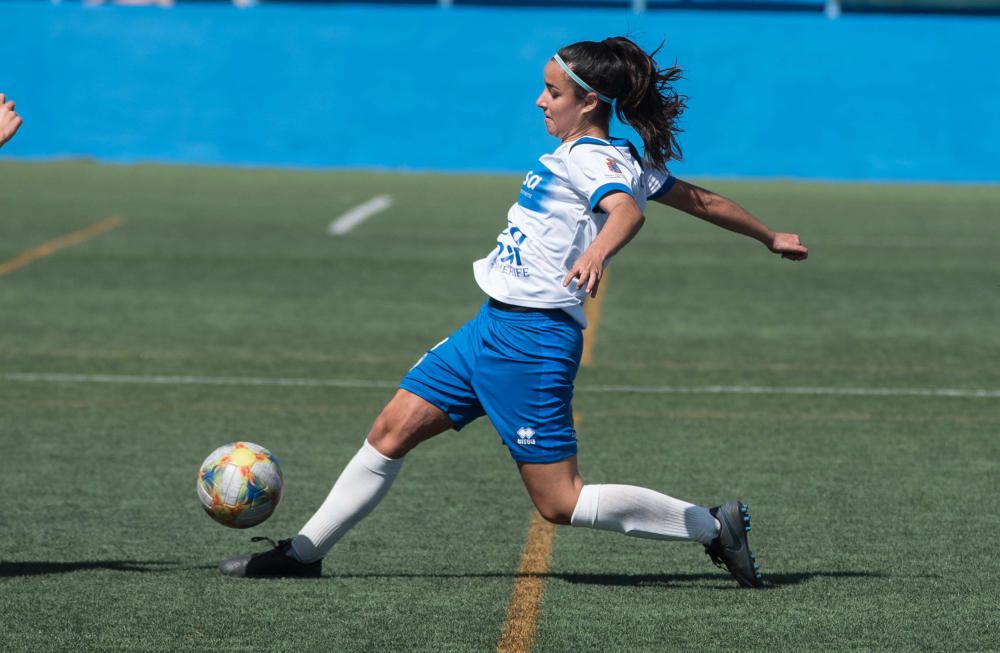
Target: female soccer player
[(516, 360)]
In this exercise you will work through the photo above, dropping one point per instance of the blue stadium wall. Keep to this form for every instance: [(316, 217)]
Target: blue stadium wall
[(424, 88)]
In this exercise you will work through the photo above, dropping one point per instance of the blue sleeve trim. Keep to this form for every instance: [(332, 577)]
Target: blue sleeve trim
[(668, 183), (603, 191), (624, 142)]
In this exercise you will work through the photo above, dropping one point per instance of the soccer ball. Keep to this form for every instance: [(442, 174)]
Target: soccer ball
[(240, 484)]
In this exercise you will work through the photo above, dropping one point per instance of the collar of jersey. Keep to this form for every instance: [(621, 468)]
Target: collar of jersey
[(612, 140), (593, 140)]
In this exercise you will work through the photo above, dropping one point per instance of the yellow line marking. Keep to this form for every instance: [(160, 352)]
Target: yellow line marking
[(522, 616), (519, 629), (592, 310), (35, 253)]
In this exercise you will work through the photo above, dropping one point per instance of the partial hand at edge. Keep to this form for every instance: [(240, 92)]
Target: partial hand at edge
[(10, 122)]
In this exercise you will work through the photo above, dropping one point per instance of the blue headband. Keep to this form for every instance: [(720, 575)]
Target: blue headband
[(576, 78)]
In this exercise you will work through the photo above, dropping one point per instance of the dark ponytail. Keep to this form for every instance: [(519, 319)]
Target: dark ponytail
[(644, 95)]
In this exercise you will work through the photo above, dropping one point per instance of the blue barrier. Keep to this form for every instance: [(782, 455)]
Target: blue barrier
[(771, 95)]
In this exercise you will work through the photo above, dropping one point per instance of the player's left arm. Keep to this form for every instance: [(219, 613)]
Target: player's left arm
[(624, 221), (720, 211)]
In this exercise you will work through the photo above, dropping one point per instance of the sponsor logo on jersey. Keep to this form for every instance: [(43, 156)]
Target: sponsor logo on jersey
[(534, 189), (613, 166), (531, 180), (508, 257), (525, 435)]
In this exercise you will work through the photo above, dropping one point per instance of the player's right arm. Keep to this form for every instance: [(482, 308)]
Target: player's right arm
[(723, 212), (625, 219), (10, 122)]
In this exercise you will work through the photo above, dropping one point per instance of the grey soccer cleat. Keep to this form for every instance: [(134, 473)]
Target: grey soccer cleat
[(731, 548), (274, 563)]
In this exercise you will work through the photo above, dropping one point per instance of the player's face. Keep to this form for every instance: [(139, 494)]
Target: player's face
[(565, 114)]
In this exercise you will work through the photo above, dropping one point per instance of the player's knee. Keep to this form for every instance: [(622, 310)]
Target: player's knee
[(555, 513), (554, 493), (388, 436), (406, 421)]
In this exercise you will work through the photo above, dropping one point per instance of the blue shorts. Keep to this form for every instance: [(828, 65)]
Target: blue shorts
[(518, 368)]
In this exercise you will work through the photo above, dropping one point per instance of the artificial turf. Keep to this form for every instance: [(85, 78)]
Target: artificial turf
[(873, 514)]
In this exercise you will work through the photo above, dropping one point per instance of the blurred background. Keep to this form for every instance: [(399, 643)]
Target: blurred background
[(858, 90)]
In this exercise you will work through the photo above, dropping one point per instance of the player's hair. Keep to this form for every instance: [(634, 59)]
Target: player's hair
[(644, 95)]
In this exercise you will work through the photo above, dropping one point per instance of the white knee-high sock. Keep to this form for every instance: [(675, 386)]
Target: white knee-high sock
[(360, 487), (639, 512)]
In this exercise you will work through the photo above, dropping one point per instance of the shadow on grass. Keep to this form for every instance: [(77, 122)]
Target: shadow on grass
[(38, 568), (781, 580), (640, 580)]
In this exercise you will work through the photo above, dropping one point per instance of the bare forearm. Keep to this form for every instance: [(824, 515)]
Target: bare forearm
[(624, 222), (729, 215), (722, 212), (718, 210)]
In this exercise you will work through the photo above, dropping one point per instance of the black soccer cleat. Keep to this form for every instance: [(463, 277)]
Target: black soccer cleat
[(274, 563), (731, 549)]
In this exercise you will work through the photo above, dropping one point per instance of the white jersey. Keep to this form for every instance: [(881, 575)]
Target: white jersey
[(556, 218)]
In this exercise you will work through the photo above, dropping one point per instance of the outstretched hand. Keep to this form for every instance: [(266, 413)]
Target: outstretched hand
[(9, 120), (789, 246), (587, 271)]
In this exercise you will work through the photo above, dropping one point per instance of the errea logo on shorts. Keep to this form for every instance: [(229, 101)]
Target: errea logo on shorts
[(525, 435)]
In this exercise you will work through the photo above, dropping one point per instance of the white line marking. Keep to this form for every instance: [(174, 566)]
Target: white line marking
[(612, 389), (794, 390), (195, 380), (359, 214)]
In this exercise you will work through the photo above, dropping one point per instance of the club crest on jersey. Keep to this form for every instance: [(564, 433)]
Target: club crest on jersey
[(613, 166)]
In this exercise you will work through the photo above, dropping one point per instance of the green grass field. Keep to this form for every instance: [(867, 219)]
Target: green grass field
[(875, 514)]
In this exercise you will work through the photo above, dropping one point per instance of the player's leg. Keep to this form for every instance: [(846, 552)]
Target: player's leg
[(406, 421), (525, 384), (434, 396), (554, 488), (561, 496)]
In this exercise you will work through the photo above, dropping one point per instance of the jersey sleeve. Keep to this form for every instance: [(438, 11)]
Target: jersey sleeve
[(657, 182), (597, 170)]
